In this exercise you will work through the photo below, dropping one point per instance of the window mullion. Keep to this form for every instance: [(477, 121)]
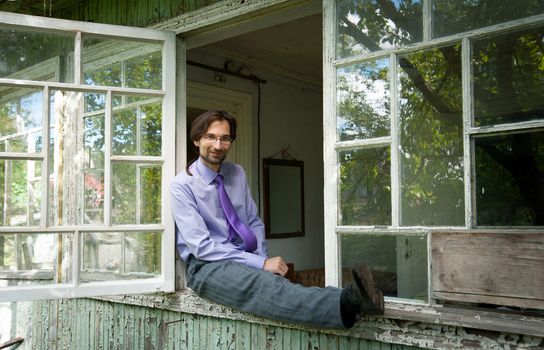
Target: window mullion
[(332, 262), (76, 253), (427, 20), (138, 166), (45, 161), (77, 59), (395, 143), (107, 159), (467, 123)]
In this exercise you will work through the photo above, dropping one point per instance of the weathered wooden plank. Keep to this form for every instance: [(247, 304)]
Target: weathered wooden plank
[(228, 332), (189, 331), (243, 336), (305, 340), (465, 267), (109, 319), (347, 343), (213, 334), (258, 336), (313, 340), (199, 332), (291, 338), (274, 338)]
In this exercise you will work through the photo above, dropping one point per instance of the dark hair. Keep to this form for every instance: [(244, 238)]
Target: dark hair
[(202, 123)]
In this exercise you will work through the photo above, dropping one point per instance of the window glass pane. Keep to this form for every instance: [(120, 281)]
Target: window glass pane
[(137, 128), (136, 193), (21, 120), (456, 16), (33, 259), (510, 180), (144, 71), (20, 192), (120, 255), (365, 187), (431, 131), (398, 262), (94, 170), (36, 56), (118, 63), (509, 77), (363, 100), (371, 25), (66, 177)]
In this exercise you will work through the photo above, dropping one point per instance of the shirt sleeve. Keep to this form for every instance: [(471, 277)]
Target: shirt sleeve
[(192, 231)]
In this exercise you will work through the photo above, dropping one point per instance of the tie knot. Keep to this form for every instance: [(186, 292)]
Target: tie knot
[(218, 179)]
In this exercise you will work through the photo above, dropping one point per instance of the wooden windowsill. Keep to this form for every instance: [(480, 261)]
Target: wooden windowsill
[(400, 320)]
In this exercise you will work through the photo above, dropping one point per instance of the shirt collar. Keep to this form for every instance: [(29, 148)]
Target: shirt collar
[(207, 174)]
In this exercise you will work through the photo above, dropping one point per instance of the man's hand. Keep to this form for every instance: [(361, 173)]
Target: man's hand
[(276, 265)]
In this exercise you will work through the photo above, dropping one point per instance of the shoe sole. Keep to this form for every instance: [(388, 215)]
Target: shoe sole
[(368, 289)]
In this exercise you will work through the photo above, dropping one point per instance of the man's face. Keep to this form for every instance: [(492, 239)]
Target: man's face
[(215, 144)]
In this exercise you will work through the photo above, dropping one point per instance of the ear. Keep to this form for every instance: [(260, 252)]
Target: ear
[(197, 143)]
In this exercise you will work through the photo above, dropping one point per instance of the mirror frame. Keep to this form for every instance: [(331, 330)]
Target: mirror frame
[(267, 163)]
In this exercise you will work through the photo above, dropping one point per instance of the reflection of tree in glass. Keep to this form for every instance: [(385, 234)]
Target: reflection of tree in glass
[(509, 78), (22, 49), (372, 25), (145, 72), (450, 17), (151, 141), (105, 76), (150, 206), (363, 100), (432, 137), (126, 198), (365, 190), (124, 131), (508, 87)]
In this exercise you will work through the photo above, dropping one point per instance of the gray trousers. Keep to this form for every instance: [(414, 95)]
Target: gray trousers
[(264, 294)]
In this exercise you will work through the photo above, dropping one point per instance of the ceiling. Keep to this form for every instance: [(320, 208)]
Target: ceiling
[(294, 46)]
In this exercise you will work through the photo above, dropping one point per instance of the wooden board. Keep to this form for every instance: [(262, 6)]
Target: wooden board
[(504, 268)]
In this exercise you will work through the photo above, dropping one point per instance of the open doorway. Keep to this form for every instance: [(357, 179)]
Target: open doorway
[(284, 113)]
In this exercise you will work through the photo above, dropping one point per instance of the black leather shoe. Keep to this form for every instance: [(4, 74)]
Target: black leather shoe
[(363, 296)]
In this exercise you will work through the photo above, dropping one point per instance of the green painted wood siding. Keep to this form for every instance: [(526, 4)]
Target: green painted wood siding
[(137, 13), (95, 324)]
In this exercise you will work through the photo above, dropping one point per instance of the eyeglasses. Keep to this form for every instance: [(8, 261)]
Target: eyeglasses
[(224, 140)]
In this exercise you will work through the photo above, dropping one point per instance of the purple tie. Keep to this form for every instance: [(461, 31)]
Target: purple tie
[(250, 241)]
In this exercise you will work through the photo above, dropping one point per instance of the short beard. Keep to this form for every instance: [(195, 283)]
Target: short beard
[(214, 160)]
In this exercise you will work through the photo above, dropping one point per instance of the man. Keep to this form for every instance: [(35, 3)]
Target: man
[(221, 238)]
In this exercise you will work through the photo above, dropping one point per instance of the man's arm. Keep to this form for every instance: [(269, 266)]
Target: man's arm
[(194, 235)]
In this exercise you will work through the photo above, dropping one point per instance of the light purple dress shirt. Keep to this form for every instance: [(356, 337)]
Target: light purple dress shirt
[(201, 225)]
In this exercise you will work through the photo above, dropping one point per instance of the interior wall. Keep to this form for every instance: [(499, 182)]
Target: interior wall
[(291, 116)]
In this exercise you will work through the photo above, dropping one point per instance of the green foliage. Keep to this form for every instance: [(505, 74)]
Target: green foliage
[(371, 25), (365, 190), (432, 138)]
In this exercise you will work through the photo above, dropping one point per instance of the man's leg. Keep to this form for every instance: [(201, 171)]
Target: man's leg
[(265, 294)]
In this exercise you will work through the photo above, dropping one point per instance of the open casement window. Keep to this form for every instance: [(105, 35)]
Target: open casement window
[(87, 122), (434, 148)]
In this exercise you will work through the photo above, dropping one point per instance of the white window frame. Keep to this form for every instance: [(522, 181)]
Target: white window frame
[(163, 282), (332, 146)]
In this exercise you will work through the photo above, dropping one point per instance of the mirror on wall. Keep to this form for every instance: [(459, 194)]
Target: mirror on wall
[(283, 190)]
